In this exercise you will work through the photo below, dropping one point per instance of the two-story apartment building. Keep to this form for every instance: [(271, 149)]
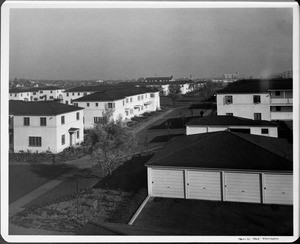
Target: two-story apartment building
[(44, 126), (123, 103), (36, 93), (257, 99)]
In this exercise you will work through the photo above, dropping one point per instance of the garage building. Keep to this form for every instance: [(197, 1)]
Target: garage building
[(223, 166)]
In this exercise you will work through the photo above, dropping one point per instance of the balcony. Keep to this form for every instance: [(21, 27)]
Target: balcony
[(281, 115), (282, 101)]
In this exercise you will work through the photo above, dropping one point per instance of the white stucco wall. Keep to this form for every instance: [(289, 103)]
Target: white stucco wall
[(254, 130), (243, 106), (50, 134)]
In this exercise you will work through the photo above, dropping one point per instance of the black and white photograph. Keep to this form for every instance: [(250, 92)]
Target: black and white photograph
[(175, 121)]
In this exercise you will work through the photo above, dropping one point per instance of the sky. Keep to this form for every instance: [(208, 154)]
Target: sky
[(87, 44)]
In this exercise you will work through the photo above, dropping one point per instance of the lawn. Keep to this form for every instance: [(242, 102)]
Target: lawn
[(25, 178), (195, 217)]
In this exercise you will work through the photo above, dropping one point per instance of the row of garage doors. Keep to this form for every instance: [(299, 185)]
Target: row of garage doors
[(269, 188)]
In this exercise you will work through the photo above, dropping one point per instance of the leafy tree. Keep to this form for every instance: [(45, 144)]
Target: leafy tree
[(174, 92), (112, 143)]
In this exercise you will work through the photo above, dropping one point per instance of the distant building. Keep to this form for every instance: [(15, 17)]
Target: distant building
[(36, 93), (257, 99), (231, 123), (159, 79), (44, 126)]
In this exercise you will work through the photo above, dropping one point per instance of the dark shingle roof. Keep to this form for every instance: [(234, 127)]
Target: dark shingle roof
[(257, 86), (114, 94), (226, 150), (229, 120), (98, 88), (33, 89), (39, 108)]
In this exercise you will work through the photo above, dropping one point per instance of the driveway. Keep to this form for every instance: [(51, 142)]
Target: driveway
[(195, 217)]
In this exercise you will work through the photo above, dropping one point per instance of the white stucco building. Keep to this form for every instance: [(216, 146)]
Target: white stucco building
[(231, 123), (36, 93), (44, 126), (123, 103), (257, 99)]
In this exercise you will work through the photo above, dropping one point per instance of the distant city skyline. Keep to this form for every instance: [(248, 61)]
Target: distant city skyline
[(87, 44)]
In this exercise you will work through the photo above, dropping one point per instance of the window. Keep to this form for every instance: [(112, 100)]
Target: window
[(111, 105), (50, 91), (229, 114), (78, 93), (67, 94), (35, 99), (139, 98), (227, 99), (43, 121), (256, 99), (51, 97), (152, 95), (77, 116), (277, 93), (278, 109), (75, 104), (73, 94), (63, 140), (35, 141), (26, 121), (84, 94), (257, 116), (131, 99), (34, 93), (67, 102), (11, 120), (62, 119), (142, 97), (123, 102), (97, 119), (41, 92), (126, 100), (87, 104), (15, 94), (41, 97), (77, 134), (265, 131), (21, 94), (96, 104)]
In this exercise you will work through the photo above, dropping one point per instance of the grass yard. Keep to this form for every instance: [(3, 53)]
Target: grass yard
[(25, 178), (196, 217)]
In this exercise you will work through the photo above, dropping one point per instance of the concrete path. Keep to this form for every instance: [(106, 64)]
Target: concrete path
[(18, 230)]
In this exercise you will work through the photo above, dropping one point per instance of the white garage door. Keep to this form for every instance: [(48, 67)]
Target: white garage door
[(204, 185), (278, 189), (168, 183), (242, 187)]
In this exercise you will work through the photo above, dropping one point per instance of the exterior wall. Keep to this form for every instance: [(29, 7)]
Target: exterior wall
[(50, 134), (69, 96), (194, 129), (70, 122), (22, 134), (243, 105), (40, 95), (238, 186)]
